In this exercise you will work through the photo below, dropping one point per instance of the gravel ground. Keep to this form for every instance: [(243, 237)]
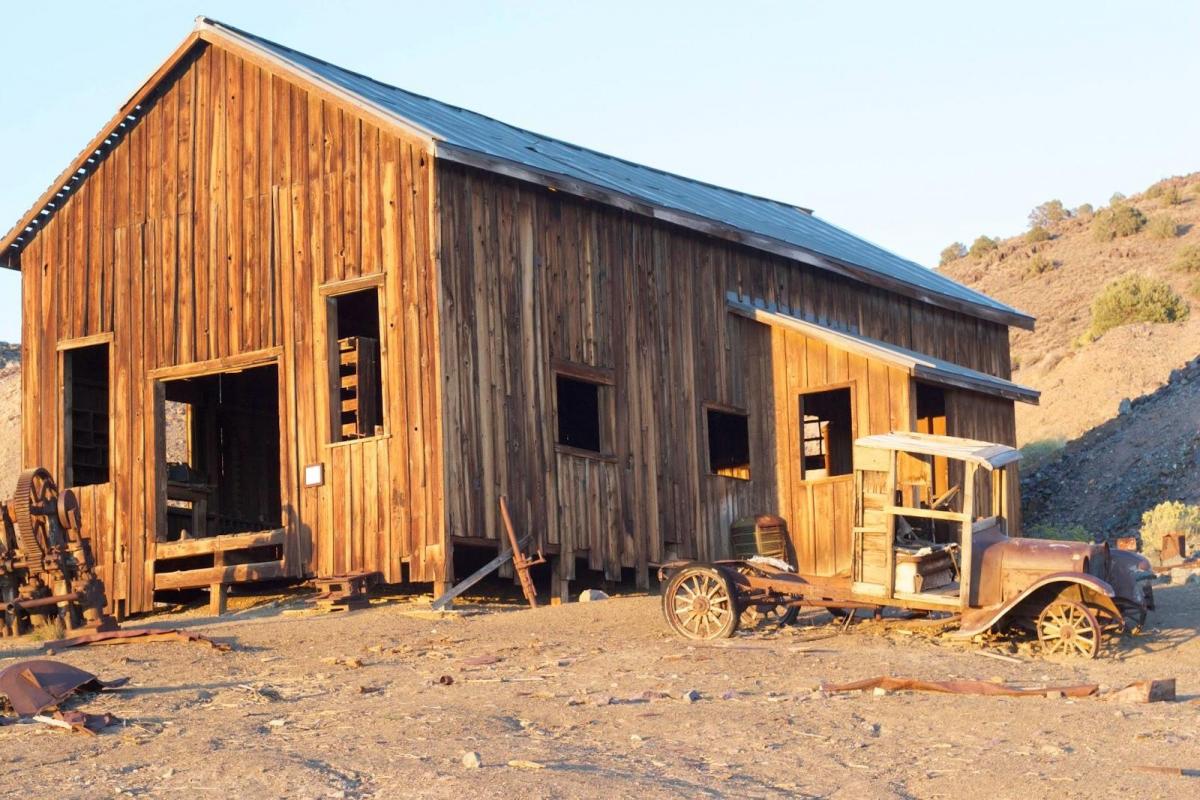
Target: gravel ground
[(589, 700)]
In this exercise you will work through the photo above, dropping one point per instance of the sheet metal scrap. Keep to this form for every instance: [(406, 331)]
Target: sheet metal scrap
[(961, 687), (34, 686), (128, 635)]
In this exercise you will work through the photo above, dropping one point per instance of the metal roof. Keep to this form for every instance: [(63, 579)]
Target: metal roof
[(919, 365), (459, 130), (986, 454)]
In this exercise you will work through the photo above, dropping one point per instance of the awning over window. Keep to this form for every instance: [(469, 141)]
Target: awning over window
[(919, 365)]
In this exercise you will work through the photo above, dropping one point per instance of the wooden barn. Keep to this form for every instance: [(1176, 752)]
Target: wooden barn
[(282, 320)]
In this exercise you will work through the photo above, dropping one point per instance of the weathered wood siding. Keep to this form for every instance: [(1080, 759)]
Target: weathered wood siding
[(207, 235), (532, 278)]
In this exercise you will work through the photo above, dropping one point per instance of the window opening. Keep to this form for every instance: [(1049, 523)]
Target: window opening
[(827, 434), (355, 372), (86, 394), (578, 413), (728, 444)]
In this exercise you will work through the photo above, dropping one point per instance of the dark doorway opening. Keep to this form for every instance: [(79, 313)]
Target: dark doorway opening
[(222, 449)]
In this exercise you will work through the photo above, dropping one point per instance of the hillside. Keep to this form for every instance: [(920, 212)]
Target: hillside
[(1082, 386), (10, 421), (1115, 465)]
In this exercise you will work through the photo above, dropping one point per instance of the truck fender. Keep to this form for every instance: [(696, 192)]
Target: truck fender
[(1076, 586)]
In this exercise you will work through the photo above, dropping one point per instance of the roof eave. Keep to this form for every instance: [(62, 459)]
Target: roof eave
[(720, 230)]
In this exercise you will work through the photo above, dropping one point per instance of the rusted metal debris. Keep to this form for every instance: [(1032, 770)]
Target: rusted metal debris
[(521, 562), (34, 686), (47, 569), (985, 688), (126, 635)]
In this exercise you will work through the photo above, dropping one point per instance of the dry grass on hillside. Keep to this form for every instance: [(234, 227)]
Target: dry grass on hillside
[(1056, 280)]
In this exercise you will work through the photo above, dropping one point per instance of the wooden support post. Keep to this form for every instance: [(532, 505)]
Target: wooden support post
[(217, 592), (560, 587), (439, 589), (216, 599)]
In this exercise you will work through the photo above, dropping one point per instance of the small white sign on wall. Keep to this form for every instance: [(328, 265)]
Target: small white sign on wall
[(314, 475)]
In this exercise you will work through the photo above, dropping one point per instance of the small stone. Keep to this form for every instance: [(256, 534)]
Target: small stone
[(870, 728), (1125, 407), (690, 696), (880, 692), (1053, 750), (278, 722), (592, 595), (471, 760)]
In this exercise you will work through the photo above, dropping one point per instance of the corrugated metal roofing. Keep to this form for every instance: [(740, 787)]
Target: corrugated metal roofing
[(985, 454), (919, 365), (467, 130)]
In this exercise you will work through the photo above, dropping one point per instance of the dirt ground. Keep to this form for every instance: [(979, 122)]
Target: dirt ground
[(595, 694)]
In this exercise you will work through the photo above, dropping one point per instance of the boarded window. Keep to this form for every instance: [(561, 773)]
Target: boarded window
[(827, 434), (578, 404), (86, 400), (728, 444), (355, 372)]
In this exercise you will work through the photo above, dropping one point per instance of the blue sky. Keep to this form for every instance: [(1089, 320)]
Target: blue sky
[(911, 124)]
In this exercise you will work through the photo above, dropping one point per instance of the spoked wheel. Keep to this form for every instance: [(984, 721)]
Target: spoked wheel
[(768, 614), (701, 603), (1069, 629), (1110, 624)]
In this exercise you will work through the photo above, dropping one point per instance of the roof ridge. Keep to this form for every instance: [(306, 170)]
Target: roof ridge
[(203, 21)]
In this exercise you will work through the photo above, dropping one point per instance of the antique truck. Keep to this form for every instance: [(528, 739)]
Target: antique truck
[(930, 535)]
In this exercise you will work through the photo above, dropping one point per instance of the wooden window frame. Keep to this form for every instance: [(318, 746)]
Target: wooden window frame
[(852, 385), (604, 379), (63, 348), (738, 411), (327, 294)]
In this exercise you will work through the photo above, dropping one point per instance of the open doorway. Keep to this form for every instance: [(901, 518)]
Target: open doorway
[(222, 454)]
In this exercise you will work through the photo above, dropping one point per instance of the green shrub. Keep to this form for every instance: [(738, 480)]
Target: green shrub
[(1172, 196), (1117, 199), (1187, 259), (1170, 517), (1194, 289), (1163, 227), (1037, 234), (1048, 213), (1061, 533), (1039, 264), (952, 252), (1135, 298), (983, 246), (1085, 211), (1036, 455), (1156, 190), (1117, 220)]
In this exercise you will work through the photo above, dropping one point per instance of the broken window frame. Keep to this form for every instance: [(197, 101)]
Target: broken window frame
[(848, 472), (332, 293)]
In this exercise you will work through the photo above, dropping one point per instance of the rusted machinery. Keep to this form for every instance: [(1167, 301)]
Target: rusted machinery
[(47, 574)]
